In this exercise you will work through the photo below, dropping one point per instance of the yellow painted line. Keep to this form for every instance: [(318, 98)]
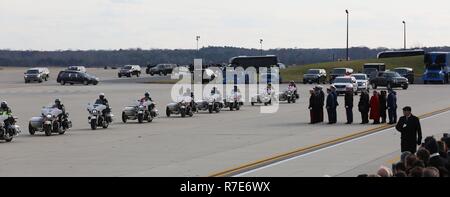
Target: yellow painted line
[(300, 151), (393, 160)]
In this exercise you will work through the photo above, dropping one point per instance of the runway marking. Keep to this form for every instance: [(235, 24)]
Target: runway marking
[(277, 159), (393, 160)]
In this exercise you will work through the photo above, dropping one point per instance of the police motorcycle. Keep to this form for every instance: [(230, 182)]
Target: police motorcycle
[(52, 120)]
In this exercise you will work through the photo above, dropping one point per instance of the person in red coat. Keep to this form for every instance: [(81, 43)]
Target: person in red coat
[(375, 108)]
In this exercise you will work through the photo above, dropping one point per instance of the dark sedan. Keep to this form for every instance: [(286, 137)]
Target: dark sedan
[(73, 77)]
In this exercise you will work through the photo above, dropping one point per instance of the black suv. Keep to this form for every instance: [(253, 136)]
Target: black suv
[(407, 73), (389, 79), (149, 67), (315, 76), (162, 69), (340, 72), (74, 77)]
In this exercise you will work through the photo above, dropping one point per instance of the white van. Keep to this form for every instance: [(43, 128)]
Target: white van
[(77, 68)]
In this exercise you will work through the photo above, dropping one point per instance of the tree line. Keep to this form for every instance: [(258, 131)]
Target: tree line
[(211, 55)]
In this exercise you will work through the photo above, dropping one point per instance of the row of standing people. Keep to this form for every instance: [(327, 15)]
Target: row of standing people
[(378, 107)]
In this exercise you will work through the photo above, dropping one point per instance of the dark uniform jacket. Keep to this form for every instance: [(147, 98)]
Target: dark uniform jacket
[(411, 133), (363, 104)]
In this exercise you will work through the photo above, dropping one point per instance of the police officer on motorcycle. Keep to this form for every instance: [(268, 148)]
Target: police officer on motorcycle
[(5, 110), (147, 98), (61, 107), (293, 85), (103, 101)]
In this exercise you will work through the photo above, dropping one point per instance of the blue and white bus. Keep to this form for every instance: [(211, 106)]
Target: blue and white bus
[(437, 67)]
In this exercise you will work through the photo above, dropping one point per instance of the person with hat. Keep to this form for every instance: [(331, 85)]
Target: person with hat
[(103, 101), (331, 107), (320, 94), (6, 111), (336, 104), (349, 103), (392, 106), (61, 107), (146, 97), (383, 106), (313, 103), (364, 106), (375, 108)]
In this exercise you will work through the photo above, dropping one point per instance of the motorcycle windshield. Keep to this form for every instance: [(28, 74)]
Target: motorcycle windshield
[(139, 103), (184, 98), (51, 110), (96, 106)]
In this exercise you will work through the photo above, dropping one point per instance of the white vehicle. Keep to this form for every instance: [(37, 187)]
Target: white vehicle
[(211, 103), (341, 84), (139, 110), (183, 106), (288, 95), (49, 122), (363, 81), (265, 97), (234, 101), (77, 68), (96, 116), (7, 133), (180, 71), (36, 74)]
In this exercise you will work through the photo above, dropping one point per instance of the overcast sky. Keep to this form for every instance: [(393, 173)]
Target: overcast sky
[(115, 24)]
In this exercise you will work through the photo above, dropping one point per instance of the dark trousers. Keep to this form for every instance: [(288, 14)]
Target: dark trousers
[(320, 115), (392, 115), (332, 115), (383, 116), (349, 112), (409, 146), (365, 117)]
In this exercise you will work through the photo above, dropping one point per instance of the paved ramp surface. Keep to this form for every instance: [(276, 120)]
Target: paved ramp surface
[(198, 146)]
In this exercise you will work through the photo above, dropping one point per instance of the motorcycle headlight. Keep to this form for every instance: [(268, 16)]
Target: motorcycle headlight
[(49, 116), (94, 111)]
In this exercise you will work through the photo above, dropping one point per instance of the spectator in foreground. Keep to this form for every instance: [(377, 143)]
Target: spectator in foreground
[(384, 172), (435, 159), (410, 160), (431, 172), (424, 155), (416, 172)]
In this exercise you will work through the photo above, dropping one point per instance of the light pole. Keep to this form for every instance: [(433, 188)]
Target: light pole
[(347, 12), (404, 35), (198, 39), (261, 42)]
